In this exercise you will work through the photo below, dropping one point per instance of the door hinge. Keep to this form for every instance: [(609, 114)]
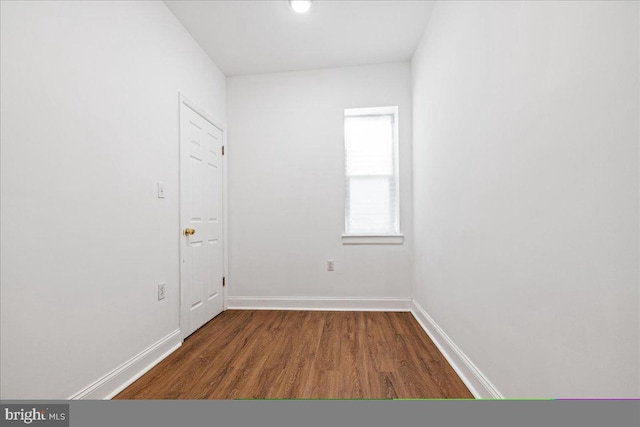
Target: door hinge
[(223, 150), (224, 282)]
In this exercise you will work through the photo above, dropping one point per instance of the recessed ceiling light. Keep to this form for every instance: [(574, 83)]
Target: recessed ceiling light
[(300, 6)]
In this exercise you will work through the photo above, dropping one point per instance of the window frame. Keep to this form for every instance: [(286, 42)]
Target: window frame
[(395, 236)]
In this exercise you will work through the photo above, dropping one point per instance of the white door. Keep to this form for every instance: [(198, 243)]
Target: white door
[(201, 247)]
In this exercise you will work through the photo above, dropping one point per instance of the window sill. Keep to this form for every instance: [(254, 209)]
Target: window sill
[(369, 239)]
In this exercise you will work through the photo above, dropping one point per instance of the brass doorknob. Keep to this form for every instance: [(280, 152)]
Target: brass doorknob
[(189, 231)]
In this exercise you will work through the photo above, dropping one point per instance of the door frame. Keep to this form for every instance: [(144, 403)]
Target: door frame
[(186, 102)]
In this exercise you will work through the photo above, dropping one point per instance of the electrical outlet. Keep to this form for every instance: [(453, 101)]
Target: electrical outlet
[(161, 291), (330, 265)]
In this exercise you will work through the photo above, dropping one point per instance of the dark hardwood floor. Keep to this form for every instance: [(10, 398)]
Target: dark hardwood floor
[(303, 354)]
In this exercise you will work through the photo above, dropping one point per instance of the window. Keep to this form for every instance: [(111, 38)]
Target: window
[(371, 174)]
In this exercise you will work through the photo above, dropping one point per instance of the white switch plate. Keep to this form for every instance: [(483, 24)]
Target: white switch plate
[(161, 289), (160, 190), (330, 265)]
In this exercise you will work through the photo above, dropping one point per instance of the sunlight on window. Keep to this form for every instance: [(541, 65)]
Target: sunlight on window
[(371, 203)]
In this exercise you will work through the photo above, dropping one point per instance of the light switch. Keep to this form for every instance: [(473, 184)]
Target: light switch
[(160, 190)]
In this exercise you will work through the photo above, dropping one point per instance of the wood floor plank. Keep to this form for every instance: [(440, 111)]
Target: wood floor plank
[(353, 375), (246, 363), (425, 359), (280, 353), (303, 354), (297, 374), (378, 346), (370, 389), (329, 348)]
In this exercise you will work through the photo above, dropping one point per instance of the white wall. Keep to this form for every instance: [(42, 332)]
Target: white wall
[(89, 125), (286, 184), (526, 191)]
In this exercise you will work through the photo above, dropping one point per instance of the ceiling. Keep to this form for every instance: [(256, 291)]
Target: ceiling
[(252, 37)]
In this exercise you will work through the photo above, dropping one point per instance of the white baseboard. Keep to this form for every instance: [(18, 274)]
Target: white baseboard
[(319, 304), (121, 377), (474, 379)]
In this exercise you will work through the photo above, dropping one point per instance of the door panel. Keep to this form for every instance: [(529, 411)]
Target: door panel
[(200, 210)]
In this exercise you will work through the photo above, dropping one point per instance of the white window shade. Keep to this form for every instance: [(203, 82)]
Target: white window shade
[(371, 175)]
